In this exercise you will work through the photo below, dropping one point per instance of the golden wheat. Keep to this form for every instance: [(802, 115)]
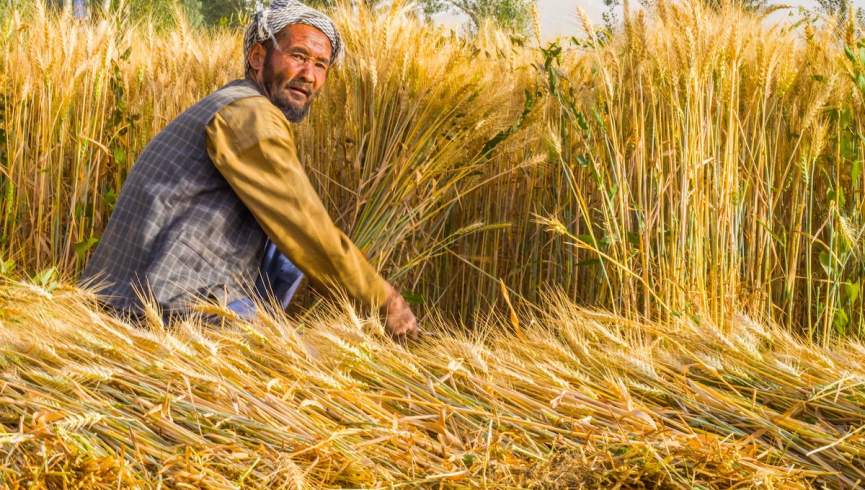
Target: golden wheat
[(582, 399)]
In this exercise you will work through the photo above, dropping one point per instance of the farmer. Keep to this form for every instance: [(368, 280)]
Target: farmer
[(219, 195)]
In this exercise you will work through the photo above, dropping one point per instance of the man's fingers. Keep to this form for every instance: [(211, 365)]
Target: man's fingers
[(400, 321), (405, 334)]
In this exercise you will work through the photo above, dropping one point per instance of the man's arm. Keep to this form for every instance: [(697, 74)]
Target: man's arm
[(250, 143)]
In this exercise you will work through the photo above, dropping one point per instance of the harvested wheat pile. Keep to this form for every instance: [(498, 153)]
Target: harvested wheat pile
[(573, 398)]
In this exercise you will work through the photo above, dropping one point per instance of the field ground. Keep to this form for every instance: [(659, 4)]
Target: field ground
[(573, 398)]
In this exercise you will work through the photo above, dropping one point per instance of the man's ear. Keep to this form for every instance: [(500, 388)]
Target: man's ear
[(256, 57)]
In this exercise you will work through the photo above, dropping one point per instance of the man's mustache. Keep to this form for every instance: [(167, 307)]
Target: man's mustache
[(306, 88)]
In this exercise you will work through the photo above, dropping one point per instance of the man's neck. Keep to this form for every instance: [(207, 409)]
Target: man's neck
[(258, 86)]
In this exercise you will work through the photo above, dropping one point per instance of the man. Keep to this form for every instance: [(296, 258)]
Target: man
[(195, 214)]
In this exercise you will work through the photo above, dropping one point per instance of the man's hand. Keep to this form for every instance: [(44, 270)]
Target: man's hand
[(399, 319)]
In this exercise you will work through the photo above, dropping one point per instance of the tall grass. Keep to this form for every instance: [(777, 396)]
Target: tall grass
[(79, 102), (699, 163), (694, 163)]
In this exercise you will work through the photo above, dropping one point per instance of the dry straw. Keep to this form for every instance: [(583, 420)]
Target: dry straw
[(583, 399)]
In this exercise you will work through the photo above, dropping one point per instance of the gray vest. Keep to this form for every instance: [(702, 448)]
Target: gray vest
[(178, 231)]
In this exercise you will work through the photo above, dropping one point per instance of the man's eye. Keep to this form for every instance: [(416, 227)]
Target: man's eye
[(299, 57)]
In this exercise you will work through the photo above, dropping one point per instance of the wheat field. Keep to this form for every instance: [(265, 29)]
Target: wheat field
[(637, 255)]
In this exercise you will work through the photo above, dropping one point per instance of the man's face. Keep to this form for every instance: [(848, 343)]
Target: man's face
[(293, 73)]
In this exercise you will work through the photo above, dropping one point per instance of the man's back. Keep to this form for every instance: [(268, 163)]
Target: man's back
[(178, 230)]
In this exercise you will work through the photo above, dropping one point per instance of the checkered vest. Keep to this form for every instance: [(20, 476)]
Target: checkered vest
[(178, 231)]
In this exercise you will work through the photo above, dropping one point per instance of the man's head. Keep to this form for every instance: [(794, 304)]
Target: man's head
[(289, 49)]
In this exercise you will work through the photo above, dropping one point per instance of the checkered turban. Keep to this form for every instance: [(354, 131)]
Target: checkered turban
[(269, 21)]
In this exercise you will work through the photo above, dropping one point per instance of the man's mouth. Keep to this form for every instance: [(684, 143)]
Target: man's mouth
[(299, 91)]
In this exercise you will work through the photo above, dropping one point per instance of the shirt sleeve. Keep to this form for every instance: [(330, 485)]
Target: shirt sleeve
[(250, 143)]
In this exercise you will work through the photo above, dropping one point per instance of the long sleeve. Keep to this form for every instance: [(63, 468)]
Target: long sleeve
[(250, 142)]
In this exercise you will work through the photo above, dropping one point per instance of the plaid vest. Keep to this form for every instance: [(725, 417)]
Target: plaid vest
[(178, 231)]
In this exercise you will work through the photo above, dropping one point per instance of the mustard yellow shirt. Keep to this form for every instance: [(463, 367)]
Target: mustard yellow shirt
[(251, 144)]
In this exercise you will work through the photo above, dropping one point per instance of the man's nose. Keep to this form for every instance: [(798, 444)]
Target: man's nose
[(306, 74)]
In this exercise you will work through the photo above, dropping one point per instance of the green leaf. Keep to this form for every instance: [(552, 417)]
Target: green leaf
[(528, 104), (633, 239), (469, 459), (837, 195), (588, 239), (119, 156), (851, 291), (848, 147), (846, 118), (6, 267), (47, 278), (412, 298), (109, 197), (84, 246), (9, 198), (826, 262), (840, 321), (581, 121)]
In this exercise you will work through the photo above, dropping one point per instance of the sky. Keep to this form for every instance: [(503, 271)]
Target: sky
[(559, 17)]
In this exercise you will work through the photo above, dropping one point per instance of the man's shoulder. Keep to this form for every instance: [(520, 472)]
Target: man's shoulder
[(256, 103), (203, 111), (248, 121), (232, 92), (254, 112)]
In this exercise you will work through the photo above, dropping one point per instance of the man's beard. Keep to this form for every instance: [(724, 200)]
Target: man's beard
[(293, 112), (274, 84)]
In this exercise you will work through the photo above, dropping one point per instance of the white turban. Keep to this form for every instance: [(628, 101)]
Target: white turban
[(269, 21)]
